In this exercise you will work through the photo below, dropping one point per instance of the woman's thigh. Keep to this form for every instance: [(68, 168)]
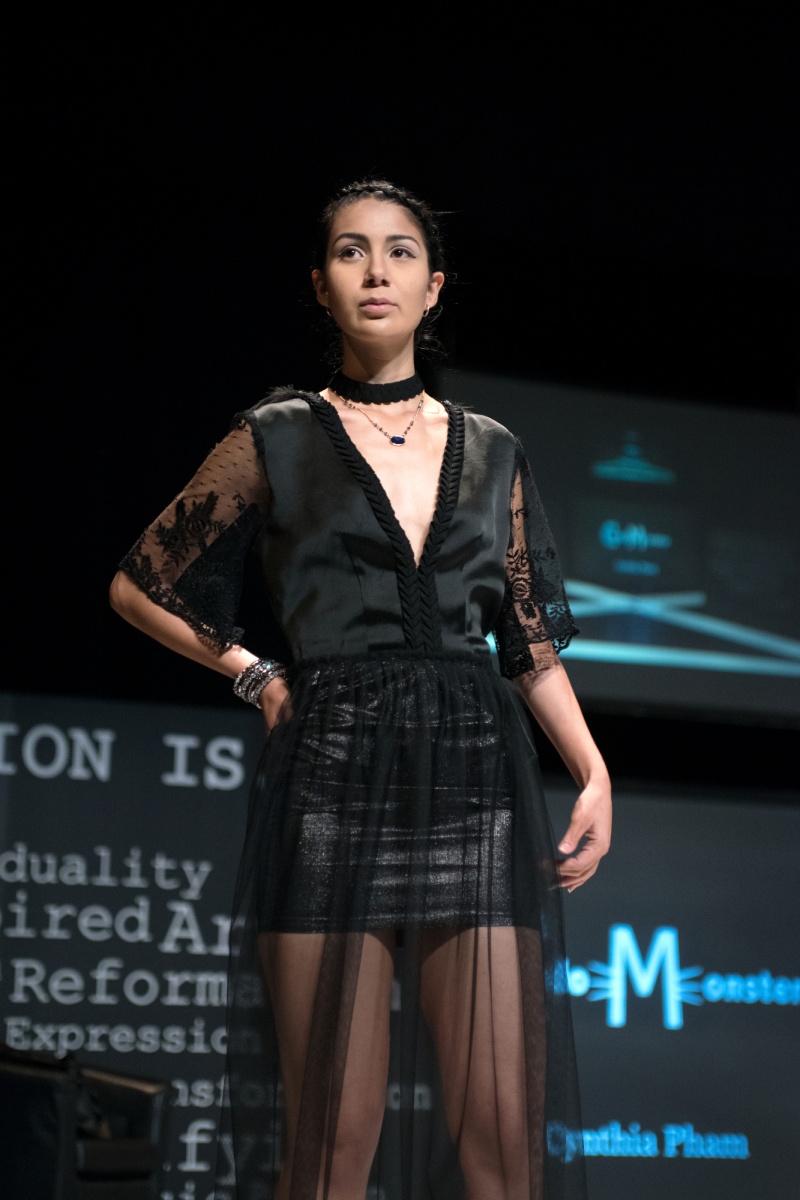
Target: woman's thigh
[(483, 1000), (330, 997)]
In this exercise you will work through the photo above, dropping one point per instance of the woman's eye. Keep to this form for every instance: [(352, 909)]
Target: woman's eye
[(401, 252), (349, 252)]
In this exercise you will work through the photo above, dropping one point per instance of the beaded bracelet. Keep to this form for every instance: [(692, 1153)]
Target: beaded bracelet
[(250, 683)]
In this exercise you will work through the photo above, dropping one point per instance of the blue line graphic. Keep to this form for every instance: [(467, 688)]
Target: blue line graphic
[(592, 600), (670, 656)]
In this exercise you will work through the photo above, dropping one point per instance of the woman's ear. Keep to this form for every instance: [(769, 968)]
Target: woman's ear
[(435, 285), (318, 280)]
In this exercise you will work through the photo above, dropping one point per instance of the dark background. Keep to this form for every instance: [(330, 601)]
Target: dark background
[(622, 214)]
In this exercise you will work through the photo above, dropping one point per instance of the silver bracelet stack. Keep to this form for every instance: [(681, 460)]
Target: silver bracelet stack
[(250, 683)]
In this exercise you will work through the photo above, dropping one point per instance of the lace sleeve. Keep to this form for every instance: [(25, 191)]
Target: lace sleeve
[(190, 561), (535, 621)]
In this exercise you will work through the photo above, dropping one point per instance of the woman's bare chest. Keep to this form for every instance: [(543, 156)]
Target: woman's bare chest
[(410, 473)]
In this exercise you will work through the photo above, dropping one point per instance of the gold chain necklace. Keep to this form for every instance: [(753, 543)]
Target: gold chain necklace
[(396, 439)]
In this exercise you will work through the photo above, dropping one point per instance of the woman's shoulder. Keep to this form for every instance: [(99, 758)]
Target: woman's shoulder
[(286, 394), (482, 426), (281, 404)]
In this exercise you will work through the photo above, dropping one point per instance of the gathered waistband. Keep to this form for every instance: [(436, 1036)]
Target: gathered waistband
[(400, 654)]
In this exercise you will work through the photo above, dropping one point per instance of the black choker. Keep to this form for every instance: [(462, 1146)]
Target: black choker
[(375, 393)]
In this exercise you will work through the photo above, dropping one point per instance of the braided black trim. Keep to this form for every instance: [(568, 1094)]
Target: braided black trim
[(449, 482), (419, 604)]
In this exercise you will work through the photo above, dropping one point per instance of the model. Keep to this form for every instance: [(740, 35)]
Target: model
[(398, 1011)]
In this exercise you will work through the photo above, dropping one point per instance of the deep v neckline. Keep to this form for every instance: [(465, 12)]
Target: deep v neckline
[(367, 476)]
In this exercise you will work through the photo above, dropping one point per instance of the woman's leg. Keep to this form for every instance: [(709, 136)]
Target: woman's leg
[(483, 1000), (330, 996)]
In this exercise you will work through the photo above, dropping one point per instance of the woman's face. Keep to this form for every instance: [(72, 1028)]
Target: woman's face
[(377, 282)]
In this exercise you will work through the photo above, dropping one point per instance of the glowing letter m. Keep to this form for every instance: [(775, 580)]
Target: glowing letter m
[(625, 962)]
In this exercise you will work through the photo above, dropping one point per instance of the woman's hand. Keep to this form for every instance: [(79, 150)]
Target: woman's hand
[(591, 822), (273, 699), (549, 695)]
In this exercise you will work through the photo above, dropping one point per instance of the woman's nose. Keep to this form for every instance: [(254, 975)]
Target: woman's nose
[(376, 274)]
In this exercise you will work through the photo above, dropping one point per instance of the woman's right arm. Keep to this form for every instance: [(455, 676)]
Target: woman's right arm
[(180, 583), (128, 599)]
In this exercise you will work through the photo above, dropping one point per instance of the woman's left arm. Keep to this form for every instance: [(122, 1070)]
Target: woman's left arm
[(549, 696), (533, 625)]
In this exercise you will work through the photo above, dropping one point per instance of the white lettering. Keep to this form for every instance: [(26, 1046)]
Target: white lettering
[(20, 928), (198, 1043), (39, 875), (196, 875), (225, 772), (132, 924), (175, 981), (66, 986), (21, 1033), (183, 927), (12, 864), (122, 1039), (180, 744), (104, 878), (149, 1039), (6, 730), (211, 988), (30, 748), (16, 1028), (134, 863), (418, 1097), (57, 912), (132, 992), (162, 864), (198, 1133), (70, 1038), (95, 923), (95, 1035), (89, 759), (73, 870), (203, 1093), (106, 970), (28, 976)]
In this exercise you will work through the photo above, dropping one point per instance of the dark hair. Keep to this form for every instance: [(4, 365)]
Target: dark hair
[(423, 217)]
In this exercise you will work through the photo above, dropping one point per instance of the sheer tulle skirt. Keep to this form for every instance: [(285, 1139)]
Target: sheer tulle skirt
[(398, 1015)]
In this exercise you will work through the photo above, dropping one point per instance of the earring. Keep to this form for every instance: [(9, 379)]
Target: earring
[(427, 310)]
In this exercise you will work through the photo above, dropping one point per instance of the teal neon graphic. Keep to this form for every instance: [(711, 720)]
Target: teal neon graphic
[(636, 566), (631, 467), (626, 965), (632, 1141), (633, 536), (778, 655), (677, 1141), (629, 971), (684, 1141)]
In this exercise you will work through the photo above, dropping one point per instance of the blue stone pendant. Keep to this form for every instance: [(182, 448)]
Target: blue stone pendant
[(398, 441)]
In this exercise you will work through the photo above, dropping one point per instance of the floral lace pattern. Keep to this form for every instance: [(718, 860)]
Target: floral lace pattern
[(535, 622), (190, 560), (193, 526)]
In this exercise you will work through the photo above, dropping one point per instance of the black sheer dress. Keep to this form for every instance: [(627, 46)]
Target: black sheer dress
[(397, 959)]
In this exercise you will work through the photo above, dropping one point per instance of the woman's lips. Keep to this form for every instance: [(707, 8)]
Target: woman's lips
[(376, 306)]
